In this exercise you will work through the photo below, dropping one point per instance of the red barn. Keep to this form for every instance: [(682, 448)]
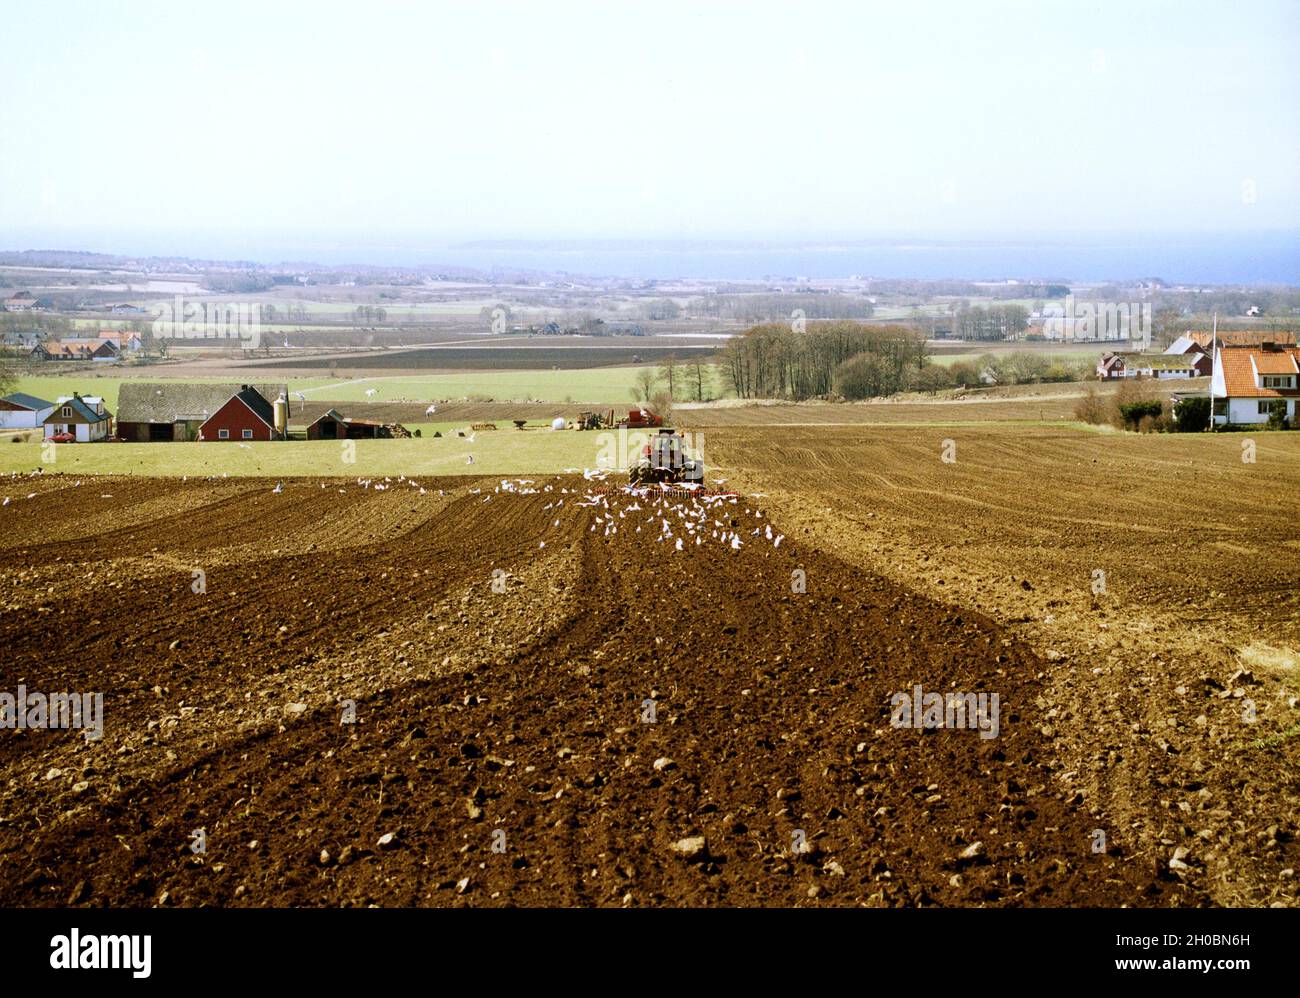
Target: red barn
[(246, 416)]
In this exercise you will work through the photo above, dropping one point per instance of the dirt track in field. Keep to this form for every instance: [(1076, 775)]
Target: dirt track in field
[(514, 719)]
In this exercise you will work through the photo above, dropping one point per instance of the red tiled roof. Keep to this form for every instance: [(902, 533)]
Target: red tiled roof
[(1242, 337), (1275, 363), (1239, 366)]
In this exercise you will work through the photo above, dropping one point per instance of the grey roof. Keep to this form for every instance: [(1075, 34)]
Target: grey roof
[(79, 407), (333, 414), (27, 401), (160, 402)]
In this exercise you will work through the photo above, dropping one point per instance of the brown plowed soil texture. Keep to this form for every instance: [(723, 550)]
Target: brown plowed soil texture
[(1157, 575), (518, 694)]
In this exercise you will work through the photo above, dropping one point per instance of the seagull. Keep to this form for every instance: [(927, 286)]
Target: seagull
[(279, 487), (431, 410), (246, 446), (469, 459), (371, 392)]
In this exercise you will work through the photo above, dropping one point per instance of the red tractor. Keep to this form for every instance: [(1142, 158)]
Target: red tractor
[(665, 460)]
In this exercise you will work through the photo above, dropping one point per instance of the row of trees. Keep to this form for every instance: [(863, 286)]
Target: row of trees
[(774, 361), (994, 322), (676, 379)]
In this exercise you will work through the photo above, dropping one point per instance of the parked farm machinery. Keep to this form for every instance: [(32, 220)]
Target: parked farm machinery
[(636, 419)]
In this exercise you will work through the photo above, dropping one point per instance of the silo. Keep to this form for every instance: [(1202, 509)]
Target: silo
[(281, 407)]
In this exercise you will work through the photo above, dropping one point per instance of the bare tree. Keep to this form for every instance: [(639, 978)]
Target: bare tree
[(669, 372), (700, 375), (644, 385)]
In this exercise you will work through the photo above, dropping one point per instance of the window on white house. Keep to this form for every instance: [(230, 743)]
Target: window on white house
[(1264, 407), (67, 412), (248, 434), (223, 434)]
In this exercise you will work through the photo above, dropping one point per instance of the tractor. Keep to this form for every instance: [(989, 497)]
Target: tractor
[(665, 460)]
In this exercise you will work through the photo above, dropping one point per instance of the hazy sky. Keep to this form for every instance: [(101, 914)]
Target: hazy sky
[(551, 120)]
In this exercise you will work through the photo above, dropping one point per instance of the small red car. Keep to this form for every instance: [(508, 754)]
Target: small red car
[(64, 438)]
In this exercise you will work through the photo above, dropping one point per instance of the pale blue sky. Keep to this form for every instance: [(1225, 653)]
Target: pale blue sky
[(626, 120)]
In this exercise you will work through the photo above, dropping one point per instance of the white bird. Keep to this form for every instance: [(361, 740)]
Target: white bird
[(679, 544), (300, 396), (279, 487), (431, 410), (469, 459), (371, 392), (246, 446)]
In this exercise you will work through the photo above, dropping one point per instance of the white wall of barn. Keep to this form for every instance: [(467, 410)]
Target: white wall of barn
[(25, 419)]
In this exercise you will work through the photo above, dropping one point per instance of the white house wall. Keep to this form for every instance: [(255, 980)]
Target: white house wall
[(1247, 410)]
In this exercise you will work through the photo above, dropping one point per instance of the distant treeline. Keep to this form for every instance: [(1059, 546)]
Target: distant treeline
[(238, 284), (774, 361), (993, 322), (924, 291), (781, 307)]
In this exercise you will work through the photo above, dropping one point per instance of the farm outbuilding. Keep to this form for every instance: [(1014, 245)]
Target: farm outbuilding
[(333, 425), (158, 411), (20, 411)]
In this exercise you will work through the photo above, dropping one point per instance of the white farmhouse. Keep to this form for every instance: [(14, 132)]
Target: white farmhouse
[(1248, 380), (84, 417)]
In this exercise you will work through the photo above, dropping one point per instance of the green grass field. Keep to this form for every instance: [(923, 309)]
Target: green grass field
[(1068, 354), (612, 385), (500, 453)]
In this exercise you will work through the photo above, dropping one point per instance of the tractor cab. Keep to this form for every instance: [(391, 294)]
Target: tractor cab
[(665, 460)]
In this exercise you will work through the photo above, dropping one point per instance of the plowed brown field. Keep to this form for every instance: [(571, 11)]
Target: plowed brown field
[(502, 752), (1157, 576)]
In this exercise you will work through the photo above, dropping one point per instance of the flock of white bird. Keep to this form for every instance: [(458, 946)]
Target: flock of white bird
[(676, 519)]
